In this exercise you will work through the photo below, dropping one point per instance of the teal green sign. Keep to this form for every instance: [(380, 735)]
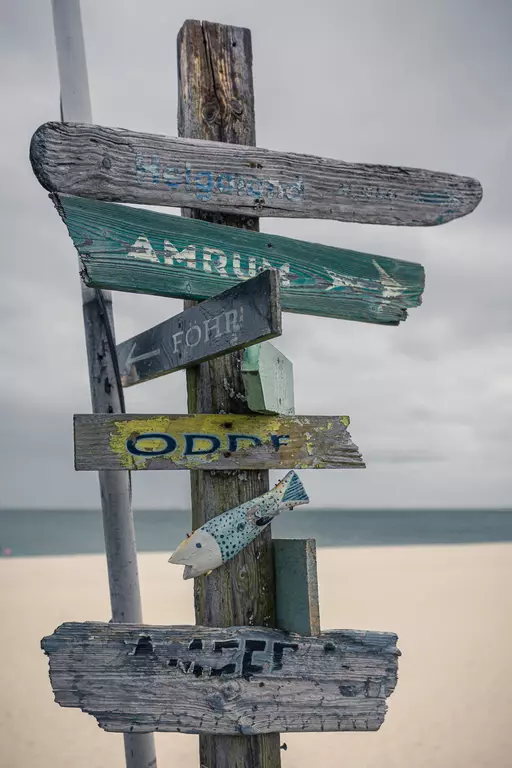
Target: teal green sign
[(129, 249)]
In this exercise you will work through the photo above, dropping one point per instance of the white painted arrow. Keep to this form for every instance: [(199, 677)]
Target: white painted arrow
[(340, 281), (392, 288), (131, 360)]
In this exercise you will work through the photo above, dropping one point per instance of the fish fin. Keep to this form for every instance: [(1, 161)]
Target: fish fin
[(264, 520), (294, 491)]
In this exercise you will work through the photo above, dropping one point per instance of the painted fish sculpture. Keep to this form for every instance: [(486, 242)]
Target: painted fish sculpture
[(224, 536)]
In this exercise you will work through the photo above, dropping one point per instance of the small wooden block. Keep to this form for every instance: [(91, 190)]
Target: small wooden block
[(268, 380), (297, 606)]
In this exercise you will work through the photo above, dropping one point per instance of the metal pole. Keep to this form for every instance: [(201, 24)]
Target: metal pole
[(106, 390)]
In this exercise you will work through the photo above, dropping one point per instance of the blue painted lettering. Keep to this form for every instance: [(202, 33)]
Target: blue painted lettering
[(133, 447), (188, 173), (254, 186), (161, 443), (233, 441), (190, 450), (204, 188), (227, 178), (295, 192), (152, 166), (205, 183), (168, 177), (279, 440)]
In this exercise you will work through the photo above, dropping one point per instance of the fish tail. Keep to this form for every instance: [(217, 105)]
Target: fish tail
[(293, 490)]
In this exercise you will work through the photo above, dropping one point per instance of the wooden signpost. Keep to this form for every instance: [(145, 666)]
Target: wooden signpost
[(268, 380), (257, 663), (237, 680), (117, 165), (216, 441), (243, 315), (139, 251)]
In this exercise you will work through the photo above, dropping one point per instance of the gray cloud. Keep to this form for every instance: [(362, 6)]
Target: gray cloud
[(402, 82)]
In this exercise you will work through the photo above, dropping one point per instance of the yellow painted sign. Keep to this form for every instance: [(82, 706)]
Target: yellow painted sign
[(221, 441)]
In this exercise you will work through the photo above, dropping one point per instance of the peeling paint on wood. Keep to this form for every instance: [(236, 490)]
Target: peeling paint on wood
[(139, 251), (236, 680), (268, 380), (117, 165), (213, 441), (241, 316)]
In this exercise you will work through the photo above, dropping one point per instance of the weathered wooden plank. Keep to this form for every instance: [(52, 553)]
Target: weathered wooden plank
[(213, 441), (297, 606), (237, 680), (216, 102), (117, 165), (139, 251), (268, 380), (241, 316)]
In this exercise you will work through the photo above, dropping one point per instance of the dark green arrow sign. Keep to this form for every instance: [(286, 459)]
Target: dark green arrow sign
[(129, 249), (236, 318)]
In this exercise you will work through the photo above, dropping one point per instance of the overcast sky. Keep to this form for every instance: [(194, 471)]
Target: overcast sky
[(402, 82)]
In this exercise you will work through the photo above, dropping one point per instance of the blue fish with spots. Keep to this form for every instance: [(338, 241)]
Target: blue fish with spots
[(224, 536)]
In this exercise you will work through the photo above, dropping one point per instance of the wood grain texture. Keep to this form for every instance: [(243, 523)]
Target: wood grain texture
[(124, 166), (234, 319), (139, 251), (216, 441), (236, 680), (268, 380), (297, 606), (216, 103)]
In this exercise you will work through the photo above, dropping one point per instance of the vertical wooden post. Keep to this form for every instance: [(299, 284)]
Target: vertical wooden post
[(216, 102), (106, 392)]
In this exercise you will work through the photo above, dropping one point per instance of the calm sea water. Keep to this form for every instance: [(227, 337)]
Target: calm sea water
[(63, 532)]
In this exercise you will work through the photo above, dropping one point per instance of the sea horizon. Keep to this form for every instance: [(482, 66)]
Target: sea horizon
[(38, 531)]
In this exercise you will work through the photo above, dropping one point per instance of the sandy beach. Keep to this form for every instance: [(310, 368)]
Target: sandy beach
[(451, 607)]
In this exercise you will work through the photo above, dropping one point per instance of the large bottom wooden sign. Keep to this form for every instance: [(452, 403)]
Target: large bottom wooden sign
[(238, 680), (213, 441)]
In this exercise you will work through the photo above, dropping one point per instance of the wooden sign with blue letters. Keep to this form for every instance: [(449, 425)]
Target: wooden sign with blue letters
[(243, 315), (213, 441), (129, 249), (125, 166), (233, 680)]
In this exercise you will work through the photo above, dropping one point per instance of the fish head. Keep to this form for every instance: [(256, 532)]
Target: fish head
[(199, 553)]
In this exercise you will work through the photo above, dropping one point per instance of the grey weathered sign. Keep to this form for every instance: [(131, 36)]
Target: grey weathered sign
[(243, 315), (235, 680), (125, 166)]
